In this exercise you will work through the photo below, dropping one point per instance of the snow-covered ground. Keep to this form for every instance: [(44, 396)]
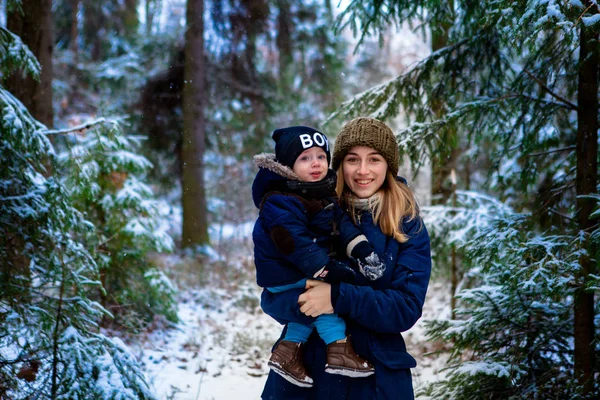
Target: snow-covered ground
[(220, 347), (217, 352)]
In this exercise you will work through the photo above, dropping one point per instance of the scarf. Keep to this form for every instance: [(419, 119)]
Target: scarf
[(318, 190), (368, 204)]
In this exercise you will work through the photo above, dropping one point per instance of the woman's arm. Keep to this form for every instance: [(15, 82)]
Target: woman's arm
[(283, 306), (386, 310), (394, 309)]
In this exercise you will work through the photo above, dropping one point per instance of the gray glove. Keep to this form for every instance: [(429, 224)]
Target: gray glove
[(369, 263)]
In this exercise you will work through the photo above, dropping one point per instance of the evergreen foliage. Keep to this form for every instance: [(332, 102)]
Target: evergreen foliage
[(50, 345), (268, 65), (14, 55), (105, 181), (455, 224), (508, 79), (513, 334), (48, 320)]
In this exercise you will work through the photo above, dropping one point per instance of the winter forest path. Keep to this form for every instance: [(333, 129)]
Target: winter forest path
[(220, 347)]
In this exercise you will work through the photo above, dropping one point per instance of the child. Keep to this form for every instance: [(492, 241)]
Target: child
[(299, 221)]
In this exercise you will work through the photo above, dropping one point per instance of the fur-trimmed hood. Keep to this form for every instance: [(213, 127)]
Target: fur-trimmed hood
[(274, 176), (267, 161), (271, 176)]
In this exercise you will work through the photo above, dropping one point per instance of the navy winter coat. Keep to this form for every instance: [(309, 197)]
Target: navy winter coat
[(293, 233), (375, 313)]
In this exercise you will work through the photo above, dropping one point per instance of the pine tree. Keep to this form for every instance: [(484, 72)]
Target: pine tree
[(49, 336), (105, 181), (520, 79), (513, 333)]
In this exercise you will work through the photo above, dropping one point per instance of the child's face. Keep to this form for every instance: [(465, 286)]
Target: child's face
[(311, 165)]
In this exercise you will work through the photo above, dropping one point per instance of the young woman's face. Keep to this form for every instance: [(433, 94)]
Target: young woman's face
[(364, 171), (311, 165)]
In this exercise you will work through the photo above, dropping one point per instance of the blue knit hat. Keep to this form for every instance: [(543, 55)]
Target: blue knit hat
[(292, 141)]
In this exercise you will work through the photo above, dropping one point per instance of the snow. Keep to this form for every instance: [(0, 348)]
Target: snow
[(591, 20), (483, 367), (554, 11), (214, 351), (577, 4), (228, 231), (221, 346)]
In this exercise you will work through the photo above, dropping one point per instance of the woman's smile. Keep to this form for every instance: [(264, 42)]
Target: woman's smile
[(364, 182), (364, 171)]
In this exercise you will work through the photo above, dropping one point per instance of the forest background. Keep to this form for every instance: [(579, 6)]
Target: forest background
[(126, 139)]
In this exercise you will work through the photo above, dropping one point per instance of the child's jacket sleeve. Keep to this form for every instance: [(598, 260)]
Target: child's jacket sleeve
[(286, 221), (347, 230)]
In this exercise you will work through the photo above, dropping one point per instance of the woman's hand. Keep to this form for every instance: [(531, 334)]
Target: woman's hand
[(317, 299)]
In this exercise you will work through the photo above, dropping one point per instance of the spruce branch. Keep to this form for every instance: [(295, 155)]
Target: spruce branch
[(55, 338), (585, 11), (15, 55), (80, 129), (549, 91), (240, 87), (553, 211), (544, 153)]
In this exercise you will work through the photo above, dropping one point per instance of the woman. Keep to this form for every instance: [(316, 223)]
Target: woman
[(366, 159)]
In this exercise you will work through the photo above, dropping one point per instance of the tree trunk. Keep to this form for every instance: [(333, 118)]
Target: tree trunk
[(150, 11), (447, 160), (454, 267), (130, 18), (34, 27), (586, 183), (444, 166), (95, 28), (195, 227), (73, 45), (284, 40)]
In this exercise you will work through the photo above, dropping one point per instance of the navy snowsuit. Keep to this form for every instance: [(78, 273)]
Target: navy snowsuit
[(293, 233), (375, 313)]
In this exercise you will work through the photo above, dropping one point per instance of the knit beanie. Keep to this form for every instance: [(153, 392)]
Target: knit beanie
[(292, 141), (368, 132)]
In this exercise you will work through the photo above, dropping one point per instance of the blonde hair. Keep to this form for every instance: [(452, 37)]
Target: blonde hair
[(397, 201)]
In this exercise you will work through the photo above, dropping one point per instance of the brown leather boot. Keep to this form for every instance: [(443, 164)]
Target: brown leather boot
[(286, 360), (343, 360)]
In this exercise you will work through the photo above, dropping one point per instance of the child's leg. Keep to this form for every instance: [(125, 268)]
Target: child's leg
[(286, 358), (297, 333), (330, 327), (301, 284)]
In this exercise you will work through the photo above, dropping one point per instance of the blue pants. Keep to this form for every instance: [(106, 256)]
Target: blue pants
[(330, 327)]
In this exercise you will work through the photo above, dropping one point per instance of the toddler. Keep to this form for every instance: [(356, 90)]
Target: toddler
[(298, 228)]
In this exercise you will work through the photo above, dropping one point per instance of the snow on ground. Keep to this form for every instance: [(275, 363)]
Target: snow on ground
[(217, 351), (220, 348), (429, 367)]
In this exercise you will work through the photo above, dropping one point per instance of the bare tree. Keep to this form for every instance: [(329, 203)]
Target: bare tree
[(586, 184), (34, 26), (195, 226)]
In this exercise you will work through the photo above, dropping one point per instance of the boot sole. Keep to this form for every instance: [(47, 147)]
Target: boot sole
[(353, 373), (289, 377)]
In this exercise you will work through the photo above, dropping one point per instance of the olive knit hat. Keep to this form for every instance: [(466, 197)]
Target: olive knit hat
[(368, 132)]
